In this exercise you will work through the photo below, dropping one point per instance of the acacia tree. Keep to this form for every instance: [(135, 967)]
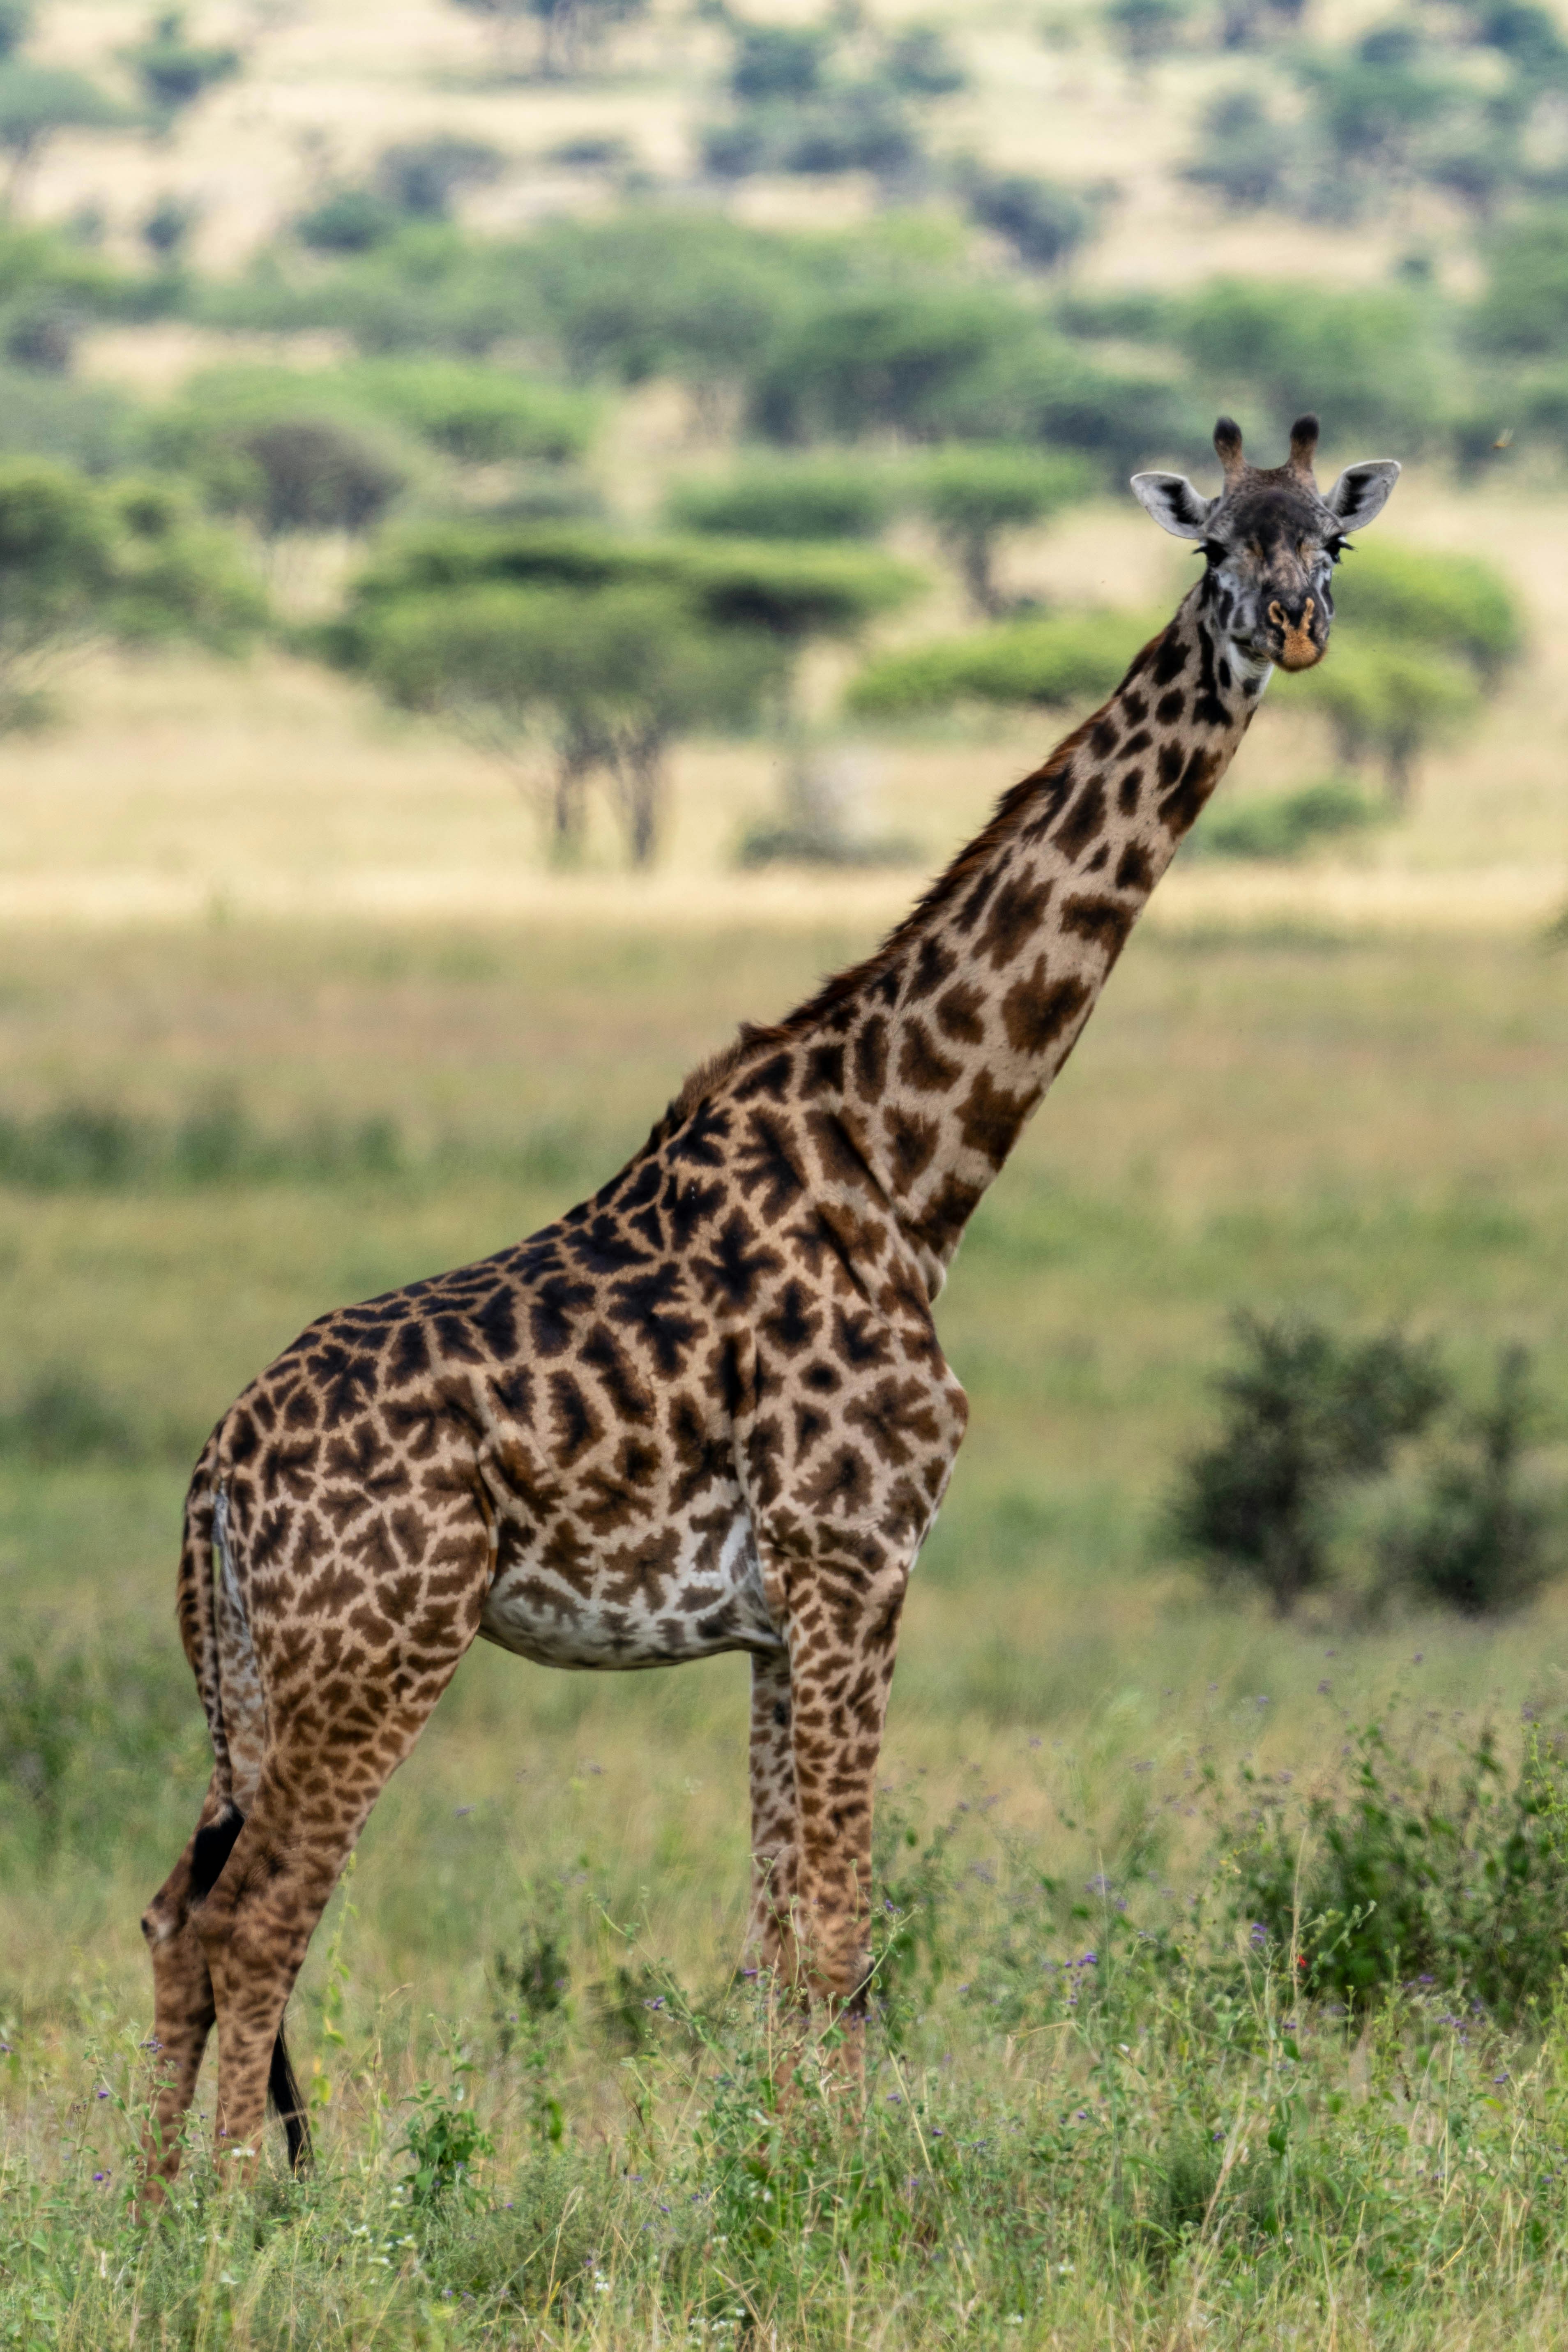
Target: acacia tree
[(972, 495), (130, 564), (606, 679)]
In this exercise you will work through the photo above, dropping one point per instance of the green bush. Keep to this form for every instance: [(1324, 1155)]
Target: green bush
[(97, 1148), (1431, 598), (479, 415), (1284, 824), (348, 220), (807, 497), (1246, 152), (1425, 1870), (1485, 1539), (790, 592), (1369, 356), (63, 1417), (1305, 1415), (173, 69), (1043, 221), (1389, 700), (1070, 657)]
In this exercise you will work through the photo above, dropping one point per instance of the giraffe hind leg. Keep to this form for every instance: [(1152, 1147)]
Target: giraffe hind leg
[(213, 1844)]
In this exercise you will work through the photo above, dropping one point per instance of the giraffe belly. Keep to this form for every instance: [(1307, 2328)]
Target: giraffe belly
[(675, 1600)]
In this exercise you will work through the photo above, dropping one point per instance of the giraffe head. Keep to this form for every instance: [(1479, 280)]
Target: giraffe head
[(1271, 539)]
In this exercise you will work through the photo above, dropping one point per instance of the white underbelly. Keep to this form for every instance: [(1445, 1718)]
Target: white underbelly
[(611, 1612)]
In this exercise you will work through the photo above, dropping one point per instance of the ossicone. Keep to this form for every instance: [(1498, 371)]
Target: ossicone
[(1227, 447), (1303, 446)]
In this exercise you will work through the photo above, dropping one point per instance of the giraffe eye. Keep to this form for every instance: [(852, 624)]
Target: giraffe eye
[(1334, 549), (1215, 551)]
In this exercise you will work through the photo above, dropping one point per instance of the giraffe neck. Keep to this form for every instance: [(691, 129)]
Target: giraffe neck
[(930, 1056)]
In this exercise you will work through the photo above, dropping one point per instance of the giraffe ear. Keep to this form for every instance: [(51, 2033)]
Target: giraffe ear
[(1175, 506), (1362, 492)]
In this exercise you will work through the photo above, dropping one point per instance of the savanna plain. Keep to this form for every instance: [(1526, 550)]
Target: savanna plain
[(1219, 1994)]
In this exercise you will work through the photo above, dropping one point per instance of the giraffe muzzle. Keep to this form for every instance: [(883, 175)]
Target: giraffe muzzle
[(1299, 649)]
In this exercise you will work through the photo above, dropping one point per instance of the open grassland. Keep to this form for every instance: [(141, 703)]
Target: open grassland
[(1370, 1127)]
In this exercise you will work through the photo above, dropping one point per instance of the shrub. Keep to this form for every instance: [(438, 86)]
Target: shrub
[(1422, 1871), (350, 220), (310, 473), (173, 69), (422, 177), (773, 61), (63, 1416), (478, 415), (1043, 221), (1389, 702), (1146, 29), (1305, 1414), (920, 60), (849, 127), (1065, 659), (1437, 598), (865, 361), (1283, 824), (1245, 154), (1483, 1540), (1368, 356), (661, 293), (809, 498), (1524, 307)]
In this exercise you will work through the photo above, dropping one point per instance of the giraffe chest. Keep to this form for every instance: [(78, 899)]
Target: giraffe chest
[(689, 1589)]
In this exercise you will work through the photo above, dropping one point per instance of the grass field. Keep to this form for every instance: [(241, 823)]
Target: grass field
[(1369, 1127)]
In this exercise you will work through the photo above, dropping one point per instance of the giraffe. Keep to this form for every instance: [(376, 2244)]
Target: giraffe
[(708, 1409)]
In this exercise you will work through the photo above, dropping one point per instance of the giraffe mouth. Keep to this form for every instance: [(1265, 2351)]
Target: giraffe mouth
[(1299, 649)]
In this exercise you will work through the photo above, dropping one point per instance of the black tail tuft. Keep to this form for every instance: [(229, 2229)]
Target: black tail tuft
[(213, 1847), (283, 2092)]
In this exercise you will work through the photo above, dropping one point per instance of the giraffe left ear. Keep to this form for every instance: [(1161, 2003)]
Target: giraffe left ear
[(1362, 492), (1175, 506)]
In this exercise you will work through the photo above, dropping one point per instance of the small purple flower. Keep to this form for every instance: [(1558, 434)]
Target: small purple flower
[(1257, 1935), (1088, 1960), (101, 2176)]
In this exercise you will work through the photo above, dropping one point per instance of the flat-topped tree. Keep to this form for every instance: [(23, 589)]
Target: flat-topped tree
[(708, 1409)]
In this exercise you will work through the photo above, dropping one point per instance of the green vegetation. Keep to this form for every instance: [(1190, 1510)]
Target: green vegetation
[(810, 496), (1051, 661), (1296, 1149), (1284, 824), (130, 565), (972, 496), (610, 676), (1309, 1417), (175, 71)]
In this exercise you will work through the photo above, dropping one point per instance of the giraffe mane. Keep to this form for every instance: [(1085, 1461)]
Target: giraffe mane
[(938, 895)]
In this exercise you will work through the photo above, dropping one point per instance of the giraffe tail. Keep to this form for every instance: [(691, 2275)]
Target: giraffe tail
[(195, 1607), (205, 1548)]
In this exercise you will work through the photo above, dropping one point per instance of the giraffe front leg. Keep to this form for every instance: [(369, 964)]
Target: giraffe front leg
[(844, 1605)]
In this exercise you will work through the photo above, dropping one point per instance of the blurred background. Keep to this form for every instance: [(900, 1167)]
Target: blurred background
[(527, 529)]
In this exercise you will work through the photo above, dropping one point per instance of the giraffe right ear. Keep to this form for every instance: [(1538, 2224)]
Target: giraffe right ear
[(1175, 506)]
